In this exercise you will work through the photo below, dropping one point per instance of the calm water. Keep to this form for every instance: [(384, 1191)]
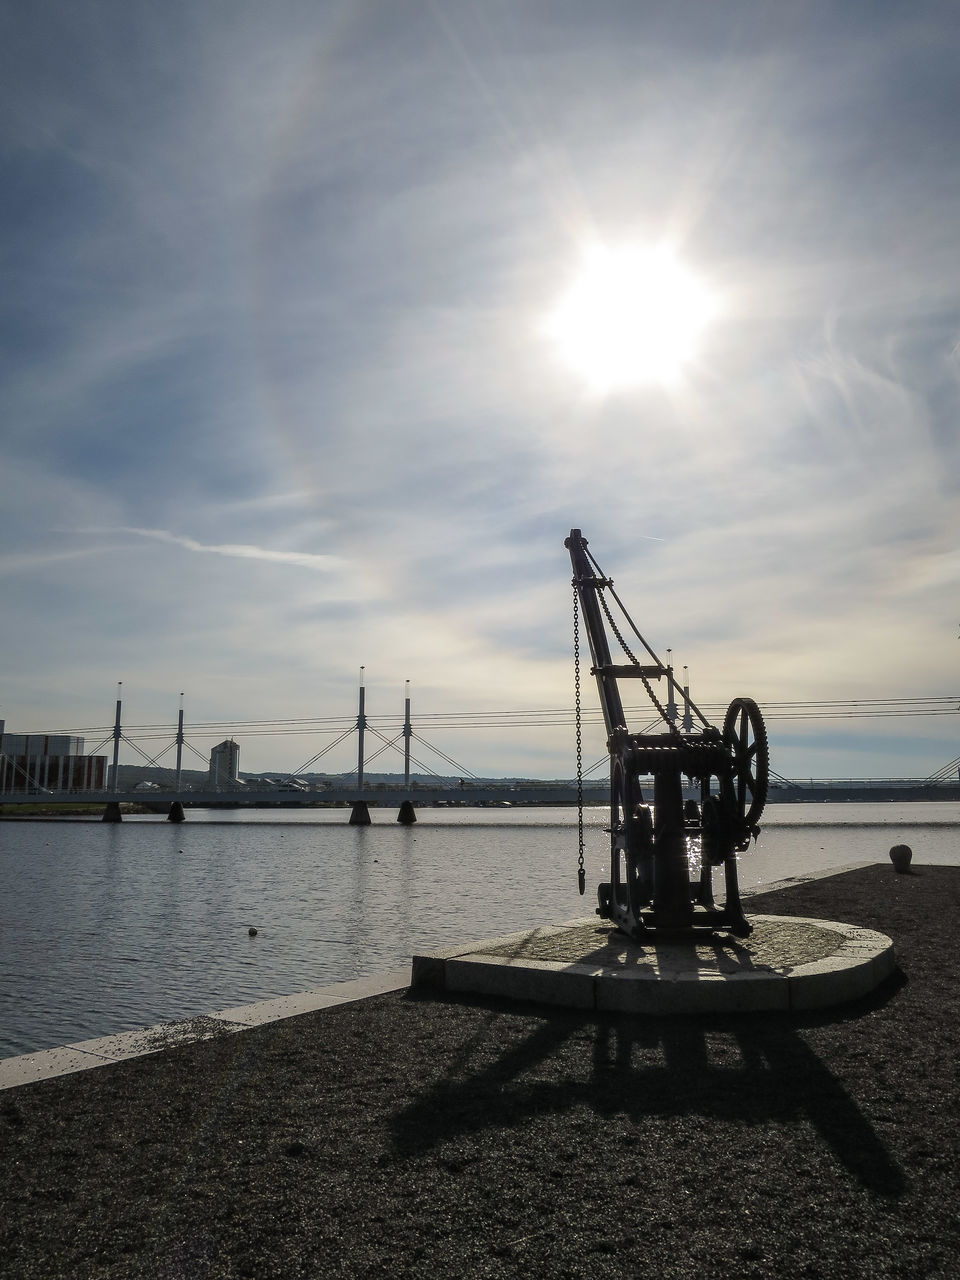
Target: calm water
[(107, 928)]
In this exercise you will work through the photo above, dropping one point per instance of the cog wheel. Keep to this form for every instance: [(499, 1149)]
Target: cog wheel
[(745, 737)]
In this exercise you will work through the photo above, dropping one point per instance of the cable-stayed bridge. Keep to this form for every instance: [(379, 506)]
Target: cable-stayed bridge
[(152, 745)]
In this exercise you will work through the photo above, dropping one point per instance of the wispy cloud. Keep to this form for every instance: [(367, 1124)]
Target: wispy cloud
[(235, 550)]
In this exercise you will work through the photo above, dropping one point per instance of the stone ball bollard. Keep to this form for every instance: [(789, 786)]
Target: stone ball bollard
[(900, 856)]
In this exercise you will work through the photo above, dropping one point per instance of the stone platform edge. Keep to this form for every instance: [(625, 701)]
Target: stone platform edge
[(862, 960)]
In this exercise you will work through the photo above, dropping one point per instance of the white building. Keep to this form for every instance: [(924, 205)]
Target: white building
[(224, 763)]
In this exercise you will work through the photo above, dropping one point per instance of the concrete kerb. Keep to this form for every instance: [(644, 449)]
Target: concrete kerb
[(86, 1054), (788, 882)]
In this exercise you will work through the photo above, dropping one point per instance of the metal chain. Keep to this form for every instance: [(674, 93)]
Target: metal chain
[(581, 873), (626, 649)]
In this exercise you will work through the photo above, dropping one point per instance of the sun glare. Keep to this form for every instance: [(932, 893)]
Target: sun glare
[(631, 316)]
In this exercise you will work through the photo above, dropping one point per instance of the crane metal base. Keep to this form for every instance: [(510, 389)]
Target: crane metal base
[(644, 924)]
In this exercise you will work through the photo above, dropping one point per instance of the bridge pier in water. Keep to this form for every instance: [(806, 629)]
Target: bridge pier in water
[(360, 814), (176, 813), (112, 813)]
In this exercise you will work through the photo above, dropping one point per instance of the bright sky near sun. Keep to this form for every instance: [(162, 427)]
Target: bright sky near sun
[(631, 316), (324, 322)]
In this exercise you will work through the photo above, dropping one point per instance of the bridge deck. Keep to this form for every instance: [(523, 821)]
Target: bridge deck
[(545, 794)]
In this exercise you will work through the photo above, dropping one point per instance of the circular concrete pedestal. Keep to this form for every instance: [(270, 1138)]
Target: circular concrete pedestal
[(786, 963)]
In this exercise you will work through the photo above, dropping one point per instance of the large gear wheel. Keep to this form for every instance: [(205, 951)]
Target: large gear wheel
[(745, 737)]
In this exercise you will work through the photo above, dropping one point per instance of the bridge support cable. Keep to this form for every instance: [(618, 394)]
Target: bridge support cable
[(443, 756), (151, 761), (836, 708), (525, 720), (419, 763), (198, 754), (329, 747), (947, 773), (386, 745), (604, 760)]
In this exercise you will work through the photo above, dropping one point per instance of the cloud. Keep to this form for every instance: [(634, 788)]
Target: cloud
[(239, 551), (28, 561), (278, 281)]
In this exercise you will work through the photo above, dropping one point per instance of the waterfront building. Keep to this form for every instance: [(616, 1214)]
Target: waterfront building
[(224, 763), (38, 762)]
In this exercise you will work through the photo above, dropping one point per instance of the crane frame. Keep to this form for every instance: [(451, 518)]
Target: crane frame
[(650, 888)]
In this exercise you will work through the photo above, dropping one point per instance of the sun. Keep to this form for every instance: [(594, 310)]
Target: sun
[(631, 316)]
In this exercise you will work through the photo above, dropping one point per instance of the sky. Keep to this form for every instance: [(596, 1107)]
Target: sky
[(281, 393)]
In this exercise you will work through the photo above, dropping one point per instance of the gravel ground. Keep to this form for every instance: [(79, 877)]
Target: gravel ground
[(421, 1135)]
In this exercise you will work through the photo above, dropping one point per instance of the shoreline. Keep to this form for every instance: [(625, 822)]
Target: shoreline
[(408, 1134), (93, 811), (64, 1059)]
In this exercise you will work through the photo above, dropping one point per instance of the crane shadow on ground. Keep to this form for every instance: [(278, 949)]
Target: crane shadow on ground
[(734, 1070)]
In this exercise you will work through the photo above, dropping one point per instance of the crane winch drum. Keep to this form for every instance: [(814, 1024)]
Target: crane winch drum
[(650, 888)]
